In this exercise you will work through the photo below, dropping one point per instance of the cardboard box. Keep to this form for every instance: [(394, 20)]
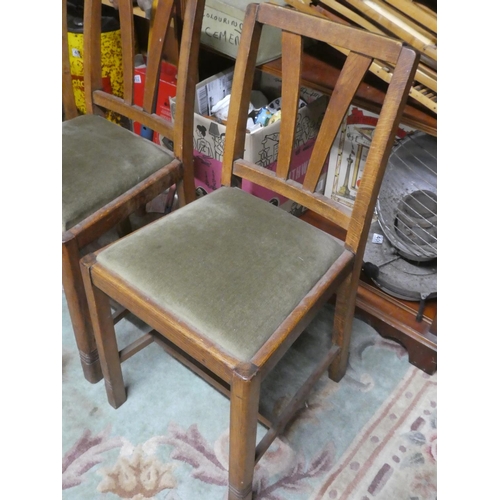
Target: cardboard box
[(261, 145), (349, 152), (166, 91), (222, 25)]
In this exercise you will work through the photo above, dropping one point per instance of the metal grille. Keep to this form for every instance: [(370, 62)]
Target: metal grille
[(407, 203), (403, 259)]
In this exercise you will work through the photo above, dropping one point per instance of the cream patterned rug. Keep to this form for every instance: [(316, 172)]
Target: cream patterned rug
[(373, 436)]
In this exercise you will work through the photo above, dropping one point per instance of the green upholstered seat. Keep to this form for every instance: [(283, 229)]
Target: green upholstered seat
[(229, 264), (101, 161)]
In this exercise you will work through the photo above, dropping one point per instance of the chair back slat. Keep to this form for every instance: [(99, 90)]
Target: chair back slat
[(380, 148), (347, 84), (92, 53), (69, 105), (292, 46), (161, 24), (330, 209), (244, 71), (362, 47), (135, 113), (187, 77), (126, 15)]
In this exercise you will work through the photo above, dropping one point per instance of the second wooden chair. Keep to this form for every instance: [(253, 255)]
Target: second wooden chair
[(108, 172)]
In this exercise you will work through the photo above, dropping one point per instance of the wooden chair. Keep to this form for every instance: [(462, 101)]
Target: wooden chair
[(108, 172), (230, 281)]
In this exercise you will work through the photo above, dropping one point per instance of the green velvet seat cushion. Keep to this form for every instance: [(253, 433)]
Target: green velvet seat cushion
[(229, 264), (100, 161)]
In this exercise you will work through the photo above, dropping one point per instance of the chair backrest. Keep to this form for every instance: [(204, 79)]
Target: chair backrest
[(166, 18), (363, 48)]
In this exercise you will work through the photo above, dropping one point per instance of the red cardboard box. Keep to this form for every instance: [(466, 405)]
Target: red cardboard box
[(167, 89)]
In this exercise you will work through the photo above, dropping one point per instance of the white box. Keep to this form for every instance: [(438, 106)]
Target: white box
[(261, 145), (349, 152), (222, 25)]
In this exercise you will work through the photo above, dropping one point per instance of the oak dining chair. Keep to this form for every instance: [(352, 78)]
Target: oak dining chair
[(229, 282), (108, 172)]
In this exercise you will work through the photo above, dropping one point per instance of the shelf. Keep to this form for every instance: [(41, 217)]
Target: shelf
[(320, 73)]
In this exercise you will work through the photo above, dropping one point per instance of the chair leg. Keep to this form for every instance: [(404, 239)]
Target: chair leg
[(245, 390), (345, 304), (104, 329), (79, 312)]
